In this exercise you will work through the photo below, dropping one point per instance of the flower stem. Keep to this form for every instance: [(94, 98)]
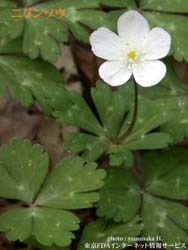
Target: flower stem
[(134, 117), (94, 64)]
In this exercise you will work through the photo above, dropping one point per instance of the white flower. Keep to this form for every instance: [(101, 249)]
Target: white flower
[(135, 51)]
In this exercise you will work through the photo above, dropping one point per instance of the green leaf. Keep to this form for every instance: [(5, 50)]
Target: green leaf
[(36, 245), (170, 173), (151, 141), (72, 105), (120, 155), (10, 220), (72, 184), (176, 91), (19, 175), (78, 4), (42, 37), (10, 27), (7, 3), (47, 225), (119, 3), (151, 196), (89, 145), (27, 79), (165, 218), (151, 114), (79, 16), (111, 106), (10, 45), (102, 231), (120, 199), (101, 133), (178, 6)]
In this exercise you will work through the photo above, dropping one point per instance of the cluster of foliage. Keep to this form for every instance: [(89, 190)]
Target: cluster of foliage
[(138, 194)]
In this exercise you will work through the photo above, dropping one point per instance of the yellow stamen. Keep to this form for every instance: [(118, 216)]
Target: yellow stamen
[(132, 55)]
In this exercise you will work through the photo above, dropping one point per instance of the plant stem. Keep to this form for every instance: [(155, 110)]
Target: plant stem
[(134, 117), (94, 64)]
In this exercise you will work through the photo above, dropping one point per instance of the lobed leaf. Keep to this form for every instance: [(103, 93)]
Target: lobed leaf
[(42, 36), (165, 218), (155, 196), (101, 132), (103, 232), (167, 174), (79, 16), (72, 184), (73, 105), (111, 107), (47, 225), (120, 199), (28, 79), (22, 170)]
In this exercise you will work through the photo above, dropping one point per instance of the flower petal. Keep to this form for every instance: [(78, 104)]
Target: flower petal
[(157, 44), (115, 73), (132, 25), (150, 73), (106, 44)]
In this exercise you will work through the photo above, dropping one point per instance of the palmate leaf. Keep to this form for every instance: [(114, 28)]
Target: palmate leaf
[(127, 187), (47, 225), (20, 163), (169, 220), (103, 232), (115, 111), (161, 212), (23, 176), (28, 79), (42, 35), (63, 188)]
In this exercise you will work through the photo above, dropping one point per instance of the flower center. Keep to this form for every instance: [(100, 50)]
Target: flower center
[(132, 55)]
